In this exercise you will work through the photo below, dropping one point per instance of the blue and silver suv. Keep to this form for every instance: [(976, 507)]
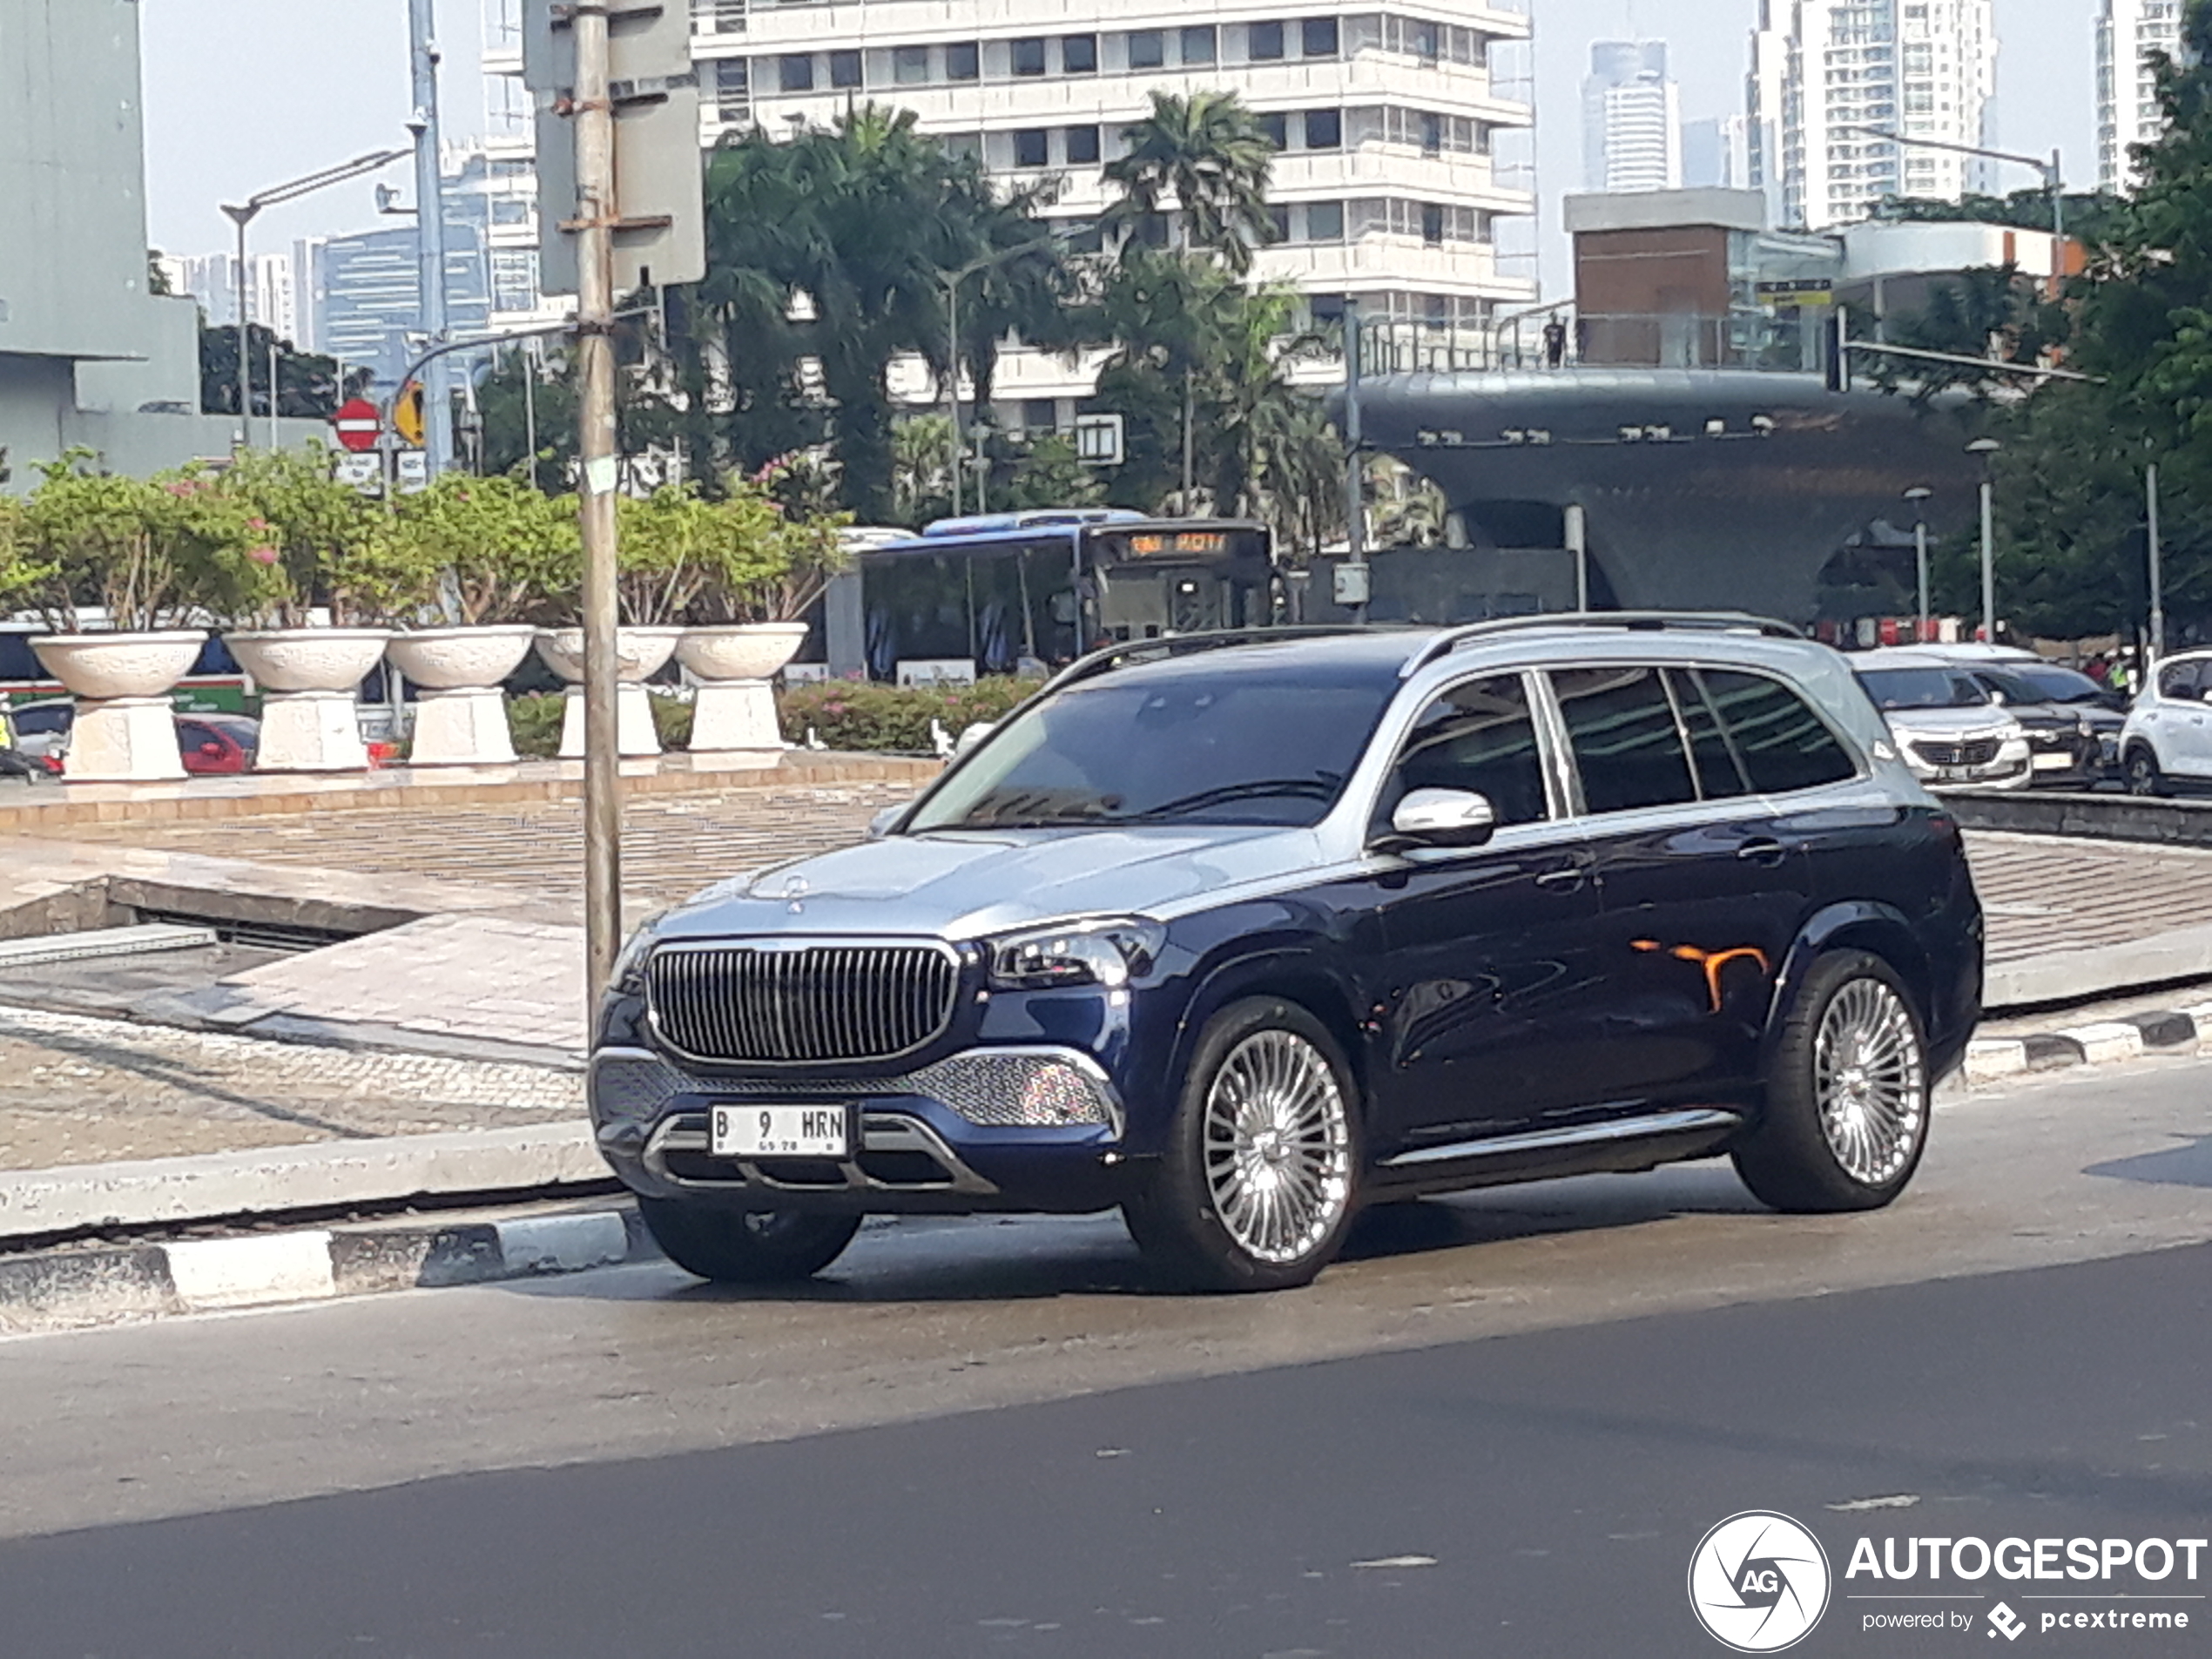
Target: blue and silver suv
[(1238, 933)]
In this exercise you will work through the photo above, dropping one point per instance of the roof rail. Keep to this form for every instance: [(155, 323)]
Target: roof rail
[(1114, 656), (1723, 621)]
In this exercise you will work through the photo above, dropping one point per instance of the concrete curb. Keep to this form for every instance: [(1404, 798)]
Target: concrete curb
[(2129, 1037), (332, 1175), (64, 1288)]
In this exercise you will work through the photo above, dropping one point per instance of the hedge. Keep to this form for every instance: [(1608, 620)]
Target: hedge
[(863, 716)]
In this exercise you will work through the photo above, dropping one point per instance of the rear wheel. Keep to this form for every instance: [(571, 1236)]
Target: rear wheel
[(745, 1247), (2141, 774), (1847, 1094), (1256, 1188)]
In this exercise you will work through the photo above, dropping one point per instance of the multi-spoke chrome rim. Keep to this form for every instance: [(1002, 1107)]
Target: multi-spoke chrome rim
[(1278, 1147), (1871, 1083)]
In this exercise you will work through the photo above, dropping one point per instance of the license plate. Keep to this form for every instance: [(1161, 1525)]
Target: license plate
[(2052, 763), (780, 1132)]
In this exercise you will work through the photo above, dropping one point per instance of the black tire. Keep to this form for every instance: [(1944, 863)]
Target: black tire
[(2140, 773), (1806, 1161), (1190, 1233), (746, 1247)]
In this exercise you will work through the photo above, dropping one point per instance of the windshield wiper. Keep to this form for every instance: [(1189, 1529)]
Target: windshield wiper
[(1322, 788)]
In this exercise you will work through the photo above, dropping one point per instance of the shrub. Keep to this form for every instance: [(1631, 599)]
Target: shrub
[(860, 715), (534, 724), (671, 718)]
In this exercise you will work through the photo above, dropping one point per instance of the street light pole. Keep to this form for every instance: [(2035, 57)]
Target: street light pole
[(430, 227), (596, 210), (952, 280), (1919, 496), (2157, 574), (2052, 171), (243, 213), (1355, 492), (1985, 447)]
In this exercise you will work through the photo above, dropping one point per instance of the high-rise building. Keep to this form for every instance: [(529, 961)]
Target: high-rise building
[(2129, 32), (1631, 118), (1716, 154), (1390, 186), (1830, 76), (367, 288), (271, 290)]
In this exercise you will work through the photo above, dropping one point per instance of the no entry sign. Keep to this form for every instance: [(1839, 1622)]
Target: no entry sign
[(358, 424)]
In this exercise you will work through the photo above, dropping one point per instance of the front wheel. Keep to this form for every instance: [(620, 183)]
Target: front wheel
[(745, 1247), (1847, 1094), (2141, 775), (1255, 1191)]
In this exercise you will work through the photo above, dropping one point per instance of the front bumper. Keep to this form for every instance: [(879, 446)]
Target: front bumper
[(1005, 1128)]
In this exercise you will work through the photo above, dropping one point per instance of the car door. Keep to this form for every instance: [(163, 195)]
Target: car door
[(1486, 995), (1703, 885), (2183, 723)]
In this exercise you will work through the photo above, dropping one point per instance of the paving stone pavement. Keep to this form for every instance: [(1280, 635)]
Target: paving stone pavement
[(673, 844), (74, 1090)]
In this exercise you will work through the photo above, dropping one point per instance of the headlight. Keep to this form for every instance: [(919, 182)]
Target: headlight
[(630, 967), (1109, 952)]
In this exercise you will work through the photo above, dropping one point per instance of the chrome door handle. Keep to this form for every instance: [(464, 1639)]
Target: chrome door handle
[(1567, 880), (1763, 852)]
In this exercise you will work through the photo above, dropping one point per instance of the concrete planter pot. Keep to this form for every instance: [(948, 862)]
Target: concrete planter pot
[(736, 710), (461, 719), (308, 676), (125, 731), (639, 654)]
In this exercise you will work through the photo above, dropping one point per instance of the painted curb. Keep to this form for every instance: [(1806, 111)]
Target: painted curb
[(64, 1288), (2129, 1037), (331, 1175)]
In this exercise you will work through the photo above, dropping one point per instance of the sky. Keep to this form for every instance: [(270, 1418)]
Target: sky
[(244, 94)]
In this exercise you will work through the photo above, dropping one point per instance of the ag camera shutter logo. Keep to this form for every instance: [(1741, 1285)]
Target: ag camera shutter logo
[(1758, 1582)]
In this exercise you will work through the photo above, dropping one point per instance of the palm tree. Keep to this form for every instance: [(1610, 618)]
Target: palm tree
[(1211, 156)]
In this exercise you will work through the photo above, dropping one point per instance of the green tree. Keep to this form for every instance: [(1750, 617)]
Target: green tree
[(1209, 155), (307, 384)]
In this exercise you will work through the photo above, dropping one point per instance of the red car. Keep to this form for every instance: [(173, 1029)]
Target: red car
[(217, 743)]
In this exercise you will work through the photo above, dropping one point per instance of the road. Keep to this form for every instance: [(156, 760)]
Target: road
[(991, 1437)]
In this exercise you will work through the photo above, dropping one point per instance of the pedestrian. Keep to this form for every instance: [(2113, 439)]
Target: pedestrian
[(1554, 344)]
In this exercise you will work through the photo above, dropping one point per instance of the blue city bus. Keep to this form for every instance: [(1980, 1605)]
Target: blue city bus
[(1006, 593)]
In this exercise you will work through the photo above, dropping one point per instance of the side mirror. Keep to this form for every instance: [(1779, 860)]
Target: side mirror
[(1997, 697), (879, 825), (1438, 817), (971, 734)]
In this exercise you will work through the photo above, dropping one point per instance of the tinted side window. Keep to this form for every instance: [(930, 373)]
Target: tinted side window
[(2177, 679), (1781, 743), (1720, 770), (1480, 737), (1621, 725)]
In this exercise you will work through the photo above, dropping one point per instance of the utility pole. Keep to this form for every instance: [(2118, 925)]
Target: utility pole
[(1919, 496), (597, 210), (1353, 578), (430, 229), (2157, 572)]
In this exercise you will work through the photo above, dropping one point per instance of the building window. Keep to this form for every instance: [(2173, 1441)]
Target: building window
[(1324, 130), (1431, 223), (510, 210), (1280, 217), (1422, 40), (1148, 49), (845, 68), (1039, 414), (1083, 147), (1277, 129), (1197, 46), (795, 73), (1326, 309), (1030, 147), (964, 146), (1079, 54), (1324, 221), (1317, 37), (1028, 56), (910, 65), (1263, 42), (963, 61), (732, 96)]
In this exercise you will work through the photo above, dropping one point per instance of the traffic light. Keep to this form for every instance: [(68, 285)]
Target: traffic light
[(660, 228)]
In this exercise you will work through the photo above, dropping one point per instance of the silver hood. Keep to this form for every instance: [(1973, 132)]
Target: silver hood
[(972, 884)]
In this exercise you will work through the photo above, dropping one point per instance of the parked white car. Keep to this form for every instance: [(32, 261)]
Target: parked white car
[(2166, 747), (1948, 728)]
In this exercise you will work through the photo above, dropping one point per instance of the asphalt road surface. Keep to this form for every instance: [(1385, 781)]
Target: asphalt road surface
[(1502, 1430)]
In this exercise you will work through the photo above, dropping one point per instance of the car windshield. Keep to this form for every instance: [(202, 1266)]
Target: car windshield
[(2056, 685), (2016, 689), (1921, 688), (1171, 743)]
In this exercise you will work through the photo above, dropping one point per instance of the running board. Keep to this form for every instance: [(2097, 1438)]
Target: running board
[(1563, 1140)]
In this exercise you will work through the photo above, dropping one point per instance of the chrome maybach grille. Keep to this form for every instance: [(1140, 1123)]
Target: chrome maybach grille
[(811, 1004)]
